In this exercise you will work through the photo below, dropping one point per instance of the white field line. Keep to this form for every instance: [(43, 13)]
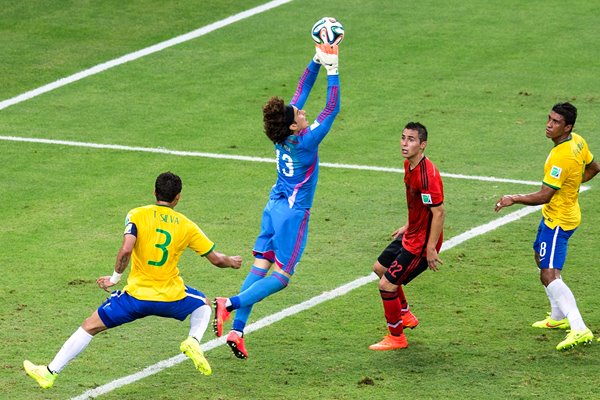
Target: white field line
[(162, 150), (142, 53), (278, 316)]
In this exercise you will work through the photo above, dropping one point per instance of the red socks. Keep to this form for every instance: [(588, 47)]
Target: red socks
[(392, 308)]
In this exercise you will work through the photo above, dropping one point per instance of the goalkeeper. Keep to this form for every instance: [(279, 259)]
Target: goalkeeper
[(284, 225)]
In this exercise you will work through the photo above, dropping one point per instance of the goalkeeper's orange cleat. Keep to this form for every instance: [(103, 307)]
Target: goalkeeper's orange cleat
[(236, 343), (221, 315), (409, 320), (390, 342)]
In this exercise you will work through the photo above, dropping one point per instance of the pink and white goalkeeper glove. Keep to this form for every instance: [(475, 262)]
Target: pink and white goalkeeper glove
[(327, 55)]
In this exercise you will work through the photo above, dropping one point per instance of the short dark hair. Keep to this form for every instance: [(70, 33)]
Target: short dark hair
[(568, 111), (420, 128), (167, 187), (274, 118)]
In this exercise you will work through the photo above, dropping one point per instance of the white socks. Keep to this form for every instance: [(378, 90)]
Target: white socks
[(560, 293), (556, 314), (199, 321), (70, 349)]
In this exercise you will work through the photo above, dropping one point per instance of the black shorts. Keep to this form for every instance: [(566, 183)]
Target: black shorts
[(402, 266)]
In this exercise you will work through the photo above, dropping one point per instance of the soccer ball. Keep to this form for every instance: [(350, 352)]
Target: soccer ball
[(328, 30)]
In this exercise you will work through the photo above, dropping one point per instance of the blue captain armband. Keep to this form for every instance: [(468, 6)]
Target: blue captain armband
[(130, 229)]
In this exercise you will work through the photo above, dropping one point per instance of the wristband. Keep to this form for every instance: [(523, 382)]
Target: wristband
[(115, 278)]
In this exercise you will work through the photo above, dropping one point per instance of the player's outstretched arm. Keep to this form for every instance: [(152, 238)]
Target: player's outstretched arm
[(324, 121), (542, 196), (224, 261)]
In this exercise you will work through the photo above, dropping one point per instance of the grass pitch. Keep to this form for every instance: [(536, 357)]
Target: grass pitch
[(481, 76)]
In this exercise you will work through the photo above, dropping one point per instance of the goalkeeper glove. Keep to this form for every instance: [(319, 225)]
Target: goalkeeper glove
[(328, 56), (316, 59)]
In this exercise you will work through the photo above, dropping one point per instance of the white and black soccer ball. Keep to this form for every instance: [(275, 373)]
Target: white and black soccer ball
[(327, 30)]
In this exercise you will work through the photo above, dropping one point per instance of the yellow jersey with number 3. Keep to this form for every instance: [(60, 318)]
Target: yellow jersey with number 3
[(162, 236), (563, 171)]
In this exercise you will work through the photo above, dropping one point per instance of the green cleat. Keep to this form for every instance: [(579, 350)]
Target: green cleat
[(40, 373), (191, 348), (550, 323), (575, 338)]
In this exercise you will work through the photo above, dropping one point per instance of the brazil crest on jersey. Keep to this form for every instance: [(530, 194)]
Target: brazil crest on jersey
[(563, 172), (162, 235), (424, 189)]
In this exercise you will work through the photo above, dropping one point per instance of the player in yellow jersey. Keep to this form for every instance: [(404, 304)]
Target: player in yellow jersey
[(569, 164), (155, 237)]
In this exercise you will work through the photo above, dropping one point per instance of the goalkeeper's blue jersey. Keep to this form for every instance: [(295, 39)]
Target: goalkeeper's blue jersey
[(298, 156)]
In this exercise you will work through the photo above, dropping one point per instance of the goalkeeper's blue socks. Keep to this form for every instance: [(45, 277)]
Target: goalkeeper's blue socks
[(259, 290), (242, 314)]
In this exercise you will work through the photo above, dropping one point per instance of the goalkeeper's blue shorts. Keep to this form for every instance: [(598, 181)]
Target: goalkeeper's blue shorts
[(283, 233), (121, 307)]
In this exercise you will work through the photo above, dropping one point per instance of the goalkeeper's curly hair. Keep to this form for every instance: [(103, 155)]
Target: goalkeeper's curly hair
[(274, 119)]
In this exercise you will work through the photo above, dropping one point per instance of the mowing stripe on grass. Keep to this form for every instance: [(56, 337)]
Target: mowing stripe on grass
[(143, 52), (278, 316), (162, 150)]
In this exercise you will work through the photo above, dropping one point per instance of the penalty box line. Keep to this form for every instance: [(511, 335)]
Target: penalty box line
[(162, 150)]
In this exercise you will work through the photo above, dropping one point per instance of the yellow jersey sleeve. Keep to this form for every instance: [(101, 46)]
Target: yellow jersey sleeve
[(199, 242)]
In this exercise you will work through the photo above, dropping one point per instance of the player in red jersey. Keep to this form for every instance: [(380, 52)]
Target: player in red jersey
[(416, 244)]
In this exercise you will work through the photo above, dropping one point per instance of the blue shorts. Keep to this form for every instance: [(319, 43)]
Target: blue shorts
[(283, 233), (121, 308), (551, 246)]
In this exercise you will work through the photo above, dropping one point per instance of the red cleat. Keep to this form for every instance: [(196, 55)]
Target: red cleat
[(409, 320), (221, 315), (390, 342), (236, 343)]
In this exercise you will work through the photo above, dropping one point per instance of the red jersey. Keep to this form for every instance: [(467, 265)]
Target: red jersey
[(424, 189)]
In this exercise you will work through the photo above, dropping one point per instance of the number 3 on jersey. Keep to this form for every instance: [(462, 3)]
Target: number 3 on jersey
[(285, 164), (163, 247)]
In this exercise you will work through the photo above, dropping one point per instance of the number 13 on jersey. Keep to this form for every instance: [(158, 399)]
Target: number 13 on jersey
[(285, 164)]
